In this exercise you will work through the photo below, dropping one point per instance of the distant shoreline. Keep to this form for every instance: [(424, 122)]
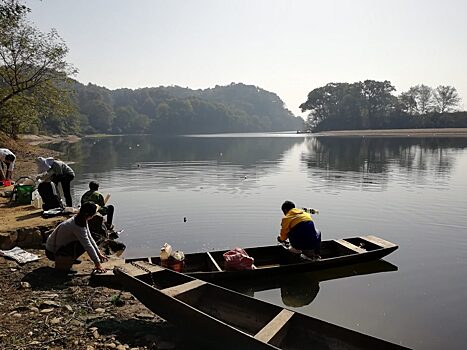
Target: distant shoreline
[(448, 132)]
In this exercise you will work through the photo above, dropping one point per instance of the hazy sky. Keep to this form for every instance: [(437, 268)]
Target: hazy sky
[(287, 47)]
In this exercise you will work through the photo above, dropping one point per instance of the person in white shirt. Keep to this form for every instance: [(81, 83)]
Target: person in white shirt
[(7, 164), (58, 172)]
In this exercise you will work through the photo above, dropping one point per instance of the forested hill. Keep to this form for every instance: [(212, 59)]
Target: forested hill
[(175, 110)]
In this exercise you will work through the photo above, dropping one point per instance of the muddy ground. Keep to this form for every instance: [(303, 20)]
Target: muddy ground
[(42, 309)]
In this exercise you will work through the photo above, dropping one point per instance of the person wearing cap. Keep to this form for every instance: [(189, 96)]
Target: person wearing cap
[(93, 195), (7, 164), (50, 169), (298, 227), (72, 238)]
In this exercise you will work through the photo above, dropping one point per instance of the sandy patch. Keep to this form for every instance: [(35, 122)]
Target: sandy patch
[(448, 132)]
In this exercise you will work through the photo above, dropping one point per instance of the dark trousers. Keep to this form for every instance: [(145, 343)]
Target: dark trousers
[(305, 236), (3, 171), (73, 249), (110, 214), (65, 181)]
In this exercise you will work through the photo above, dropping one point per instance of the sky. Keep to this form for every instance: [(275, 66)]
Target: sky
[(289, 47)]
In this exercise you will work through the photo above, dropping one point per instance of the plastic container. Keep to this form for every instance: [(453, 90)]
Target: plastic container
[(24, 194), (36, 201), (6, 183), (166, 251), (178, 255)]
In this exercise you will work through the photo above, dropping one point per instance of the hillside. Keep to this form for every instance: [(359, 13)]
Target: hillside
[(174, 110)]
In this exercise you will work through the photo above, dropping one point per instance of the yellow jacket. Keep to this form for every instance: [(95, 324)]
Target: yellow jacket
[(293, 217)]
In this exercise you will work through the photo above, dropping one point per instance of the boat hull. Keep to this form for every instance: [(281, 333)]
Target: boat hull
[(220, 318), (271, 261)]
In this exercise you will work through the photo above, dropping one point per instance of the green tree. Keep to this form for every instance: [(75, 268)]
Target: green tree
[(446, 99), (31, 63), (100, 115), (379, 101), (418, 100)]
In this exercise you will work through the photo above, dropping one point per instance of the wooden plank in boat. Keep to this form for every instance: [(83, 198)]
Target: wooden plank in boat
[(350, 246), (136, 271), (182, 288), (267, 266), (214, 262), (274, 326), (378, 241)]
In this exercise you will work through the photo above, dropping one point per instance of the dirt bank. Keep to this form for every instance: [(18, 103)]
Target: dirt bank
[(40, 309)]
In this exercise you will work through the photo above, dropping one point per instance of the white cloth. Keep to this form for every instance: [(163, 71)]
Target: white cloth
[(3, 153), (20, 255)]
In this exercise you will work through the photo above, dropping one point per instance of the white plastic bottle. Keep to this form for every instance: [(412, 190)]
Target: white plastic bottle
[(166, 251)]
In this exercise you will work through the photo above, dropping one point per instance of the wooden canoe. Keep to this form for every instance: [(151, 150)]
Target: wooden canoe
[(276, 260), (219, 318)]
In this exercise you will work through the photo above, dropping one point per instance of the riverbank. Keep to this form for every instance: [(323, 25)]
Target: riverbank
[(41, 309), (448, 132)]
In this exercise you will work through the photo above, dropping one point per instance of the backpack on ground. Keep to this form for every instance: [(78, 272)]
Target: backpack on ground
[(49, 194)]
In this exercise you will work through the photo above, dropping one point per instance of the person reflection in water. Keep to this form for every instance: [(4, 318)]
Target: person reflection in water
[(298, 226), (297, 294)]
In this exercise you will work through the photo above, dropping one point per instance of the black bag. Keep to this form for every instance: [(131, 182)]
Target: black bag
[(49, 194)]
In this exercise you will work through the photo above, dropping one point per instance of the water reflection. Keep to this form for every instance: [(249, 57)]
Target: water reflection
[(374, 155), (371, 161), (298, 290), (102, 154), (368, 162)]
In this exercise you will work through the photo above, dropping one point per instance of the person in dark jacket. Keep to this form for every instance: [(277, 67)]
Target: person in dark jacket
[(298, 227), (58, 172), (93, 195)]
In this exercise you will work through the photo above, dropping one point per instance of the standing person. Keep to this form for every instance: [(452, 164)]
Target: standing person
[(298, 226), (94, 196), (7, 164), (72, 238), (58, 172)]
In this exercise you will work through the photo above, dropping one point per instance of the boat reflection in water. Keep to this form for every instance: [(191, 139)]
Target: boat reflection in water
[(301, 289)]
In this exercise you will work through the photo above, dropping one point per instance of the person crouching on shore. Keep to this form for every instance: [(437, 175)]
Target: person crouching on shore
[(72, 238)]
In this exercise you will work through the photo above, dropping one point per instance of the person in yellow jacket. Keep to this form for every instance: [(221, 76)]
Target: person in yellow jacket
[(298, 227)]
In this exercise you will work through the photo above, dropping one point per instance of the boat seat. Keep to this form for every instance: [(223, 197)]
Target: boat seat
[(378, 241), (182, 288), (214, 262), (135, 271), (274, 326), (350, 246)]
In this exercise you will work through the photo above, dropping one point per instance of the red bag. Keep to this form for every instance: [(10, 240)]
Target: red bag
[(238, 259)]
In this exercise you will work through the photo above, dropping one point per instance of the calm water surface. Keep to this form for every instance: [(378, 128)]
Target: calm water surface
[(410, 191)]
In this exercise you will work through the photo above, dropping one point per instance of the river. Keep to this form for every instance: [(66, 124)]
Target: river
[(209, 192)]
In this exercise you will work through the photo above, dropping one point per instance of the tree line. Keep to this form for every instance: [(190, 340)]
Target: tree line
[(372, 104), (175, 110), (38, 93)]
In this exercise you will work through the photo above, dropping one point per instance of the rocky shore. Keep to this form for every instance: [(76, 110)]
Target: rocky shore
[(42, 309)]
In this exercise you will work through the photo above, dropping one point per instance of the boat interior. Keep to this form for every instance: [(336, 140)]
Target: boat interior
[(272, 256)]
